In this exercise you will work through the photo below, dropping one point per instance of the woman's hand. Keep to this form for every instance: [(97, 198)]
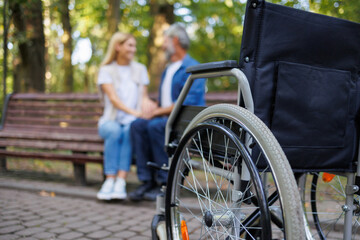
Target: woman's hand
[(148, 107)]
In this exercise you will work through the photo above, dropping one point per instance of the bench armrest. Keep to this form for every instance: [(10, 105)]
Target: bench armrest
[(213, 66)]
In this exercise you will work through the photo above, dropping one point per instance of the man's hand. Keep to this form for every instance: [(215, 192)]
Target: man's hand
[(148, 108)]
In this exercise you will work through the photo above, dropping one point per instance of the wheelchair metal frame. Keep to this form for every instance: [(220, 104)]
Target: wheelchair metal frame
[(244, 93)]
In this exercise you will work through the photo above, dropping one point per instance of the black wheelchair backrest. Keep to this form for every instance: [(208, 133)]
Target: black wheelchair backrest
[(303, 70)]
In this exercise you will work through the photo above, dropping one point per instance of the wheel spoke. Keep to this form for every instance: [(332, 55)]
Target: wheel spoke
[(210, 158), (324, 202)]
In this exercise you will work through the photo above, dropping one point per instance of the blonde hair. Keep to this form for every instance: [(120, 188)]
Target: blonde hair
[(118, 37)]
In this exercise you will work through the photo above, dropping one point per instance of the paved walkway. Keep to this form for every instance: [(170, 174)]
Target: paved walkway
[(35, 209)]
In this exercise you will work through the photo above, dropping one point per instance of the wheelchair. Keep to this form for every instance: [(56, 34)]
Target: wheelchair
[(284, 162)]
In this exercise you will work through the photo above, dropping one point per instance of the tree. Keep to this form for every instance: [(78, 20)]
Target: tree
[(163, 14), (112, 17), (346, 9), (30, 65), (5, 48), (215, 29), (67, 41)]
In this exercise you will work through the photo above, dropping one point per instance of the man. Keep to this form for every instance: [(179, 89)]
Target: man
[(148, 135)]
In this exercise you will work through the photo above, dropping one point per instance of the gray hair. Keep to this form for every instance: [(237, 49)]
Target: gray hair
[(179, 31)]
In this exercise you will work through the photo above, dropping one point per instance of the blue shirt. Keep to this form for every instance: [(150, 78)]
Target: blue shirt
[(196, 95)]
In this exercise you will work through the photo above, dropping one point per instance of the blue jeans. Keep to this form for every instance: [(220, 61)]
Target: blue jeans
[(149, 136), (117, 147)]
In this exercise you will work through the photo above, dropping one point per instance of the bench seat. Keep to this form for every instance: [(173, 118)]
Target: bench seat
[(63, 127), (52, 127)]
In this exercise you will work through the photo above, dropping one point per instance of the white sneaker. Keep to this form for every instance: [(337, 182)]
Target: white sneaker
[(106, 189), (119, 190)]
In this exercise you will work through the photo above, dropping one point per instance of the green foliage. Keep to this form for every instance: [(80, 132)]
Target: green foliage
[(216, 31), (215, 27), (346, 9)]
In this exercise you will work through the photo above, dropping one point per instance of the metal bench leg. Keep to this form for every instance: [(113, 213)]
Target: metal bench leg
[(3, 167), (80, 174)]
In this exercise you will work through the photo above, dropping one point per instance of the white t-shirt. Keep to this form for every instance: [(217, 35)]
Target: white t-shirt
[(127, 90), (166, 99)]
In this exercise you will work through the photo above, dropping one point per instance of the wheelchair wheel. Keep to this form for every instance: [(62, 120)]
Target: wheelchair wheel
[(229, 179), (324, 199)]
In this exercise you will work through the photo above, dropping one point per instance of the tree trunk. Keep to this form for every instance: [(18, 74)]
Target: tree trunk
[(112, 17), (163, 15), (5, 48), (67, 41), (30, 67), (86, 79)]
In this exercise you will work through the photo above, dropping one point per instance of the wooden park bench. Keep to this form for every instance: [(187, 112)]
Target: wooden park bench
[(52, 127), (59, 127)]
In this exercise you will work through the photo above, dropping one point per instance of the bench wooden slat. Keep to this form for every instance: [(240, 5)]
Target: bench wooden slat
[(28, 134), (56, 105), (218, 97), (48, 126), (50, 112), (53, 129), (56, 96), (51, 121), (52, 145), (37, 125), (77, 158)]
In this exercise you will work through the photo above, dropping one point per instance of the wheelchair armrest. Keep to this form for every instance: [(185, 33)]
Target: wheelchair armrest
[(212, 66)]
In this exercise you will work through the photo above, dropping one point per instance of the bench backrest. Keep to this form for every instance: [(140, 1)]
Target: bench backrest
[(304, 69), (72, 113)]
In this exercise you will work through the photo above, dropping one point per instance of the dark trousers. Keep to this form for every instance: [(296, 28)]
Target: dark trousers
[(148, 137)]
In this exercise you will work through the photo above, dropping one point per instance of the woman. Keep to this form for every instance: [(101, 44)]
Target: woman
[(121, 83)]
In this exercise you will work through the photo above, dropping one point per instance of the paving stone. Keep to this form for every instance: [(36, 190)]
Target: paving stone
[(139, 228), (116, 228), (9, 223), (89, 214), (125, 234), (52, 225), (48, 213), (120, 218), (79, 224), (36, 208), (89, 228), (129, 213), (45, 235), (130, 222), (97, 218), (72, 213), (30, 218), (140, 238), (107, 222), (53, 217), (10, 212), (146, 233), (99, 234), (63, 218), (69, 220), (26, 214), (9, 237), (34, 223), (10, 217), (30, 231), (11, 229), (70, 235), (59, 230)]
